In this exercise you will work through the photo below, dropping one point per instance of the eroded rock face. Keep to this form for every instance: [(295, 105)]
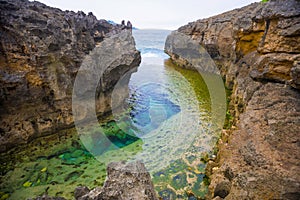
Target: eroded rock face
[(262, 152), (124, 181), (41, 51), (257, 51)]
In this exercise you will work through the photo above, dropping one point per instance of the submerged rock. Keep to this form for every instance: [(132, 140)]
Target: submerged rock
[(257, 50), (46, 197), (81, 191), (41, 51)]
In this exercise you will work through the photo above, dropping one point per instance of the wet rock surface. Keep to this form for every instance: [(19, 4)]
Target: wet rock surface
[(257, 51), (41, 51)]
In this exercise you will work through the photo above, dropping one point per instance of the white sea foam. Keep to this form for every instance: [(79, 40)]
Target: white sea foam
[(150, 55)]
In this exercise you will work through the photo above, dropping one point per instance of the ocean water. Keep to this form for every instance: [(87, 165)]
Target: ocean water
[(182, 132), (151, 42), (165, 122)]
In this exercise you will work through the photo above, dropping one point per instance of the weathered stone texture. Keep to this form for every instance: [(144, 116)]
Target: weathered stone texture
[(257, 49), (41, 50)]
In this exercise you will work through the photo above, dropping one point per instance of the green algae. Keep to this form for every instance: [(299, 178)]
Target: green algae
[(27, 184), (55, 165), (197, 84), (3, 196), (185, 178), (179, 181), (229, 119), (178, 178)]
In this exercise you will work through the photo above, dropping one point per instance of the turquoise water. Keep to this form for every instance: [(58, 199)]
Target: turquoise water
[(165, 122)]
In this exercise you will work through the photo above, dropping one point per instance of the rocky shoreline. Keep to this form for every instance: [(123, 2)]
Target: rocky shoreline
[(42, 49), (257, 51)]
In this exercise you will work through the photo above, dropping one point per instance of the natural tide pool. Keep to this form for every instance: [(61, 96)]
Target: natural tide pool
[(166, 123)]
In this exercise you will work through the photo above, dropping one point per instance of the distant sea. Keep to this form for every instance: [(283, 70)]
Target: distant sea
[(151, 42)]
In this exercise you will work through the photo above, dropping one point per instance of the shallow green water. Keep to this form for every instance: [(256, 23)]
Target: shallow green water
[(165, 123)]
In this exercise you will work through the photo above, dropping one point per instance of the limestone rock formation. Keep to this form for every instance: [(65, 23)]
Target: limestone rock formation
[(41, 51), (257, 49), (124, 181)]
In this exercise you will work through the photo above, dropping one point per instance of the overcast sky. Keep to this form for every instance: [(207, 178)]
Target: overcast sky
[(159, 14)]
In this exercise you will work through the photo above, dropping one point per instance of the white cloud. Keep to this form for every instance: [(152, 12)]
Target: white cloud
[(164, 14)]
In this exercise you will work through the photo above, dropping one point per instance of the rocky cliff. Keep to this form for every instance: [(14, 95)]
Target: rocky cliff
[(257, 49), (42, 49)]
